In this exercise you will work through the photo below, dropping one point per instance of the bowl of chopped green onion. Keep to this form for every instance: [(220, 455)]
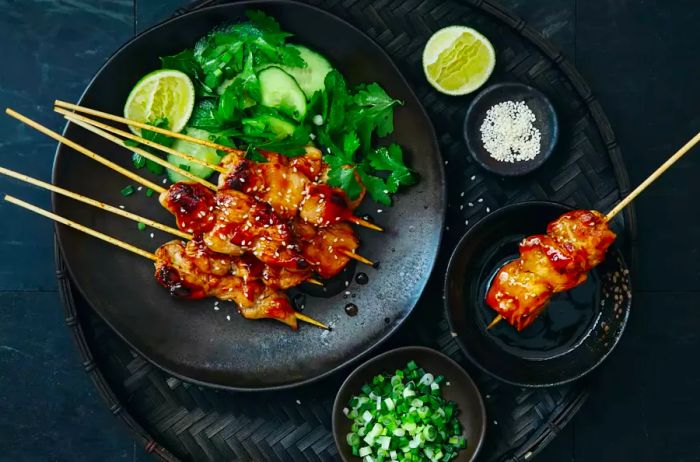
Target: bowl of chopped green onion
[(410, 404)]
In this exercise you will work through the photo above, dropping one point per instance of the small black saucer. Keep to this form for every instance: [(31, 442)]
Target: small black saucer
[(569, 339), (546, 122)]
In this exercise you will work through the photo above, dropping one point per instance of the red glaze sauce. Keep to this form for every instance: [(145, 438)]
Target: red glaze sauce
[(335, 207), (169, 277), (193, 206)]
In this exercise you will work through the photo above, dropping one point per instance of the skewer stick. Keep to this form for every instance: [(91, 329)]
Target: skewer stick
[(141, 152), (495, 321), (357, 257), (637, 191), (75, 117), (312, 321), (365, 224), (657, 173), (94, 203), (314, 281), (78, 226), (136, 124), (61, 139), (118, 243)]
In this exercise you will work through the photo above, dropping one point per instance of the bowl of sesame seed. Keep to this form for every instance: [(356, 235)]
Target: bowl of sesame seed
[(511, 129)]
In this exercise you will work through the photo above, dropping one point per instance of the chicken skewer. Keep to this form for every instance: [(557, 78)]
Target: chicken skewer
[(335, 213), (575, 243), (273, 277), (80, 121), (129, 174), (180, 275)]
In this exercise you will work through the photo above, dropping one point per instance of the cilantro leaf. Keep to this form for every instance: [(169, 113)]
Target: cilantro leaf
[(204, 116), (138, 160), (372, 110), (376, 187), (335, 99), (343, 176), (351, 144), (391, 159)]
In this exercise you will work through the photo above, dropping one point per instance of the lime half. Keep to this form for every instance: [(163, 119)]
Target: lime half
[(457, 60), (163, 93)]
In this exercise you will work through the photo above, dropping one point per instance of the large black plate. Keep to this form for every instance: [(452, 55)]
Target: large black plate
[(191, 339)]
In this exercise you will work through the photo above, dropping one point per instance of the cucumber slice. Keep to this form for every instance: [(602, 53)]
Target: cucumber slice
[(311, 77), (279, 90), (195, 150), (277, 125)]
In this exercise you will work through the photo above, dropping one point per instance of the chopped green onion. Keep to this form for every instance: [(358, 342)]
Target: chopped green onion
[(140, 226), (403, 417), (149, 192), (127, 191)]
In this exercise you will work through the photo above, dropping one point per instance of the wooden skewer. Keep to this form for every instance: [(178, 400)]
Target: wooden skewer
[(118, 243), (136, 124), (365, 224), (75, 117), (314, 281), (312, 321), (657, 173), (357, 257), (129, 174), (78, 226), (142, 152), (94, 203), (637, 191)]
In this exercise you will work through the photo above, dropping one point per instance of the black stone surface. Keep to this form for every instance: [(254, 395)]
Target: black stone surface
[(640, 58)]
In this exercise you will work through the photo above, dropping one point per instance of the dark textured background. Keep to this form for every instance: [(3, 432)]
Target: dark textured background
[(639, 56)]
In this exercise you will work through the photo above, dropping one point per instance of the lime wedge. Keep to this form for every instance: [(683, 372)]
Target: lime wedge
[(163, 93), (457, 60)]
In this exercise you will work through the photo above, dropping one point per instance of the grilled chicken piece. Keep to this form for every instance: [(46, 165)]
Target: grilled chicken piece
[(232, 223), (323, 248), (289, 185), (179, 271), (517, 295), (586, 231), (563, 268), (192, 205)]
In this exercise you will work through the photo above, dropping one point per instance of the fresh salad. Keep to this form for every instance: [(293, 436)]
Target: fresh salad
[(403, 417), (245, 86)]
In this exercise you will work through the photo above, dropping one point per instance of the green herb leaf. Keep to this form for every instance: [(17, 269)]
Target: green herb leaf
[(127, 191), (391, 159), (138, 160), (376, 187), (140, 226), (204, 116), (253, 154), (335, 99), (343, 176), (149, 192), (372, 110)]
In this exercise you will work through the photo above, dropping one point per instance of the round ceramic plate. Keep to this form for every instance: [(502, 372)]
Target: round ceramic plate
[(190, 339)]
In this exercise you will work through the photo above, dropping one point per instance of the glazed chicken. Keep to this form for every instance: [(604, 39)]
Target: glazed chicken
[(575, 243), (186, 275), (232, 223), (292, 186), (324, 249)]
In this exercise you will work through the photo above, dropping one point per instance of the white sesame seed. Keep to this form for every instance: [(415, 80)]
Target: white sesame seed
[(473, 177), (228, 316)]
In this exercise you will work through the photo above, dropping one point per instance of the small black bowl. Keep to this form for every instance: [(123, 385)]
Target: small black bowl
[(546, 122), (462, 390), (569, 339)]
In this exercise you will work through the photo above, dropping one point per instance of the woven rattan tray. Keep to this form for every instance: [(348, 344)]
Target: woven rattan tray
[(178, 421)]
